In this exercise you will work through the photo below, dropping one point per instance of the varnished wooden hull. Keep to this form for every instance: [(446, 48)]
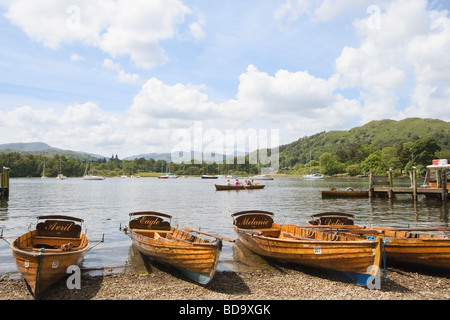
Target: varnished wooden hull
[(42, 269), (424, 251), (197, 260), (240, 187), (357, 260), (196, 257), (343, 194)]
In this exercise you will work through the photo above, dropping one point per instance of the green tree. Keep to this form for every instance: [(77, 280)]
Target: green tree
[(373, 164), (329, 164)]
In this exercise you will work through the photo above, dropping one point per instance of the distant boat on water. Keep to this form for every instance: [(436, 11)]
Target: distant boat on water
[(91, 176), (312, 175), (262, 177), (60, 176)]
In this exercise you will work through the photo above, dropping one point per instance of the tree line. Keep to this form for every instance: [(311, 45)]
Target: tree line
[(360, 159), (353, 160), (30, 165)]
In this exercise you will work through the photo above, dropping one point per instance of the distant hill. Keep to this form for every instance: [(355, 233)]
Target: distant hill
[(379, 134), (41, 148)]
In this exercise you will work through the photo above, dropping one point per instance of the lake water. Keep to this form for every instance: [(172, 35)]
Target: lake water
[(105, 205)]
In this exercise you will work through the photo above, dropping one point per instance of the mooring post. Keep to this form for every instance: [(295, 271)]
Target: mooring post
[(414, 173), (370, 185), (4, 183), (444, 184)]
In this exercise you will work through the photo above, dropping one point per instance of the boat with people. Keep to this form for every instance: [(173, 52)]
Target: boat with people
[(421, 247), (43, 255), (237, 185), (152, 234), (221, 187), (353, 259)]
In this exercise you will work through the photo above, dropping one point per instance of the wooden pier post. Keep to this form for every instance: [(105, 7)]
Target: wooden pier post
[(444, 185), (414, 184), (391, 185), (4, 183), (370, 185)]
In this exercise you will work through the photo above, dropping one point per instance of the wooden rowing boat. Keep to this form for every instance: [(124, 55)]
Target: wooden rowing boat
[(417, 247), (333, 193), (239, 187), (155, 238), (355, 259), (44, 254)]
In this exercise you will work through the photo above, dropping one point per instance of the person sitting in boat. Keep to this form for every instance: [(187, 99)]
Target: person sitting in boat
[(228, 182), (237, 183)]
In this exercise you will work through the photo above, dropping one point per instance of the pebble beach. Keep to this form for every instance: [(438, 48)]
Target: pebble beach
[(279, 283)]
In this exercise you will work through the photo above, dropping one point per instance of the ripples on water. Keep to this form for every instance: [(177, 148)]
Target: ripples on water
[(104, 206)]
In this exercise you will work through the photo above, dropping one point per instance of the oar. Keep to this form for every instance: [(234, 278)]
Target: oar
[(413, 229), (187, 229), (331, 226)]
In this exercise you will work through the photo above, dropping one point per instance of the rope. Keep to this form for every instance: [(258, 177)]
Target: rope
[(386, 240)]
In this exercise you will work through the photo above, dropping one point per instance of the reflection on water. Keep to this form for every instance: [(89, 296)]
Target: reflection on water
[(193, 202)]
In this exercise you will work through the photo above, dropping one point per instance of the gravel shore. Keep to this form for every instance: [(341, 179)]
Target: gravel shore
[(280, 283)]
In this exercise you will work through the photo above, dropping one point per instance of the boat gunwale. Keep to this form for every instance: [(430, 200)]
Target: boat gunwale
[(176, 242), (252, 234)]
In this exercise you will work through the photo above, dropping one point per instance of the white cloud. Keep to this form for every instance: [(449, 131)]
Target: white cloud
[(404, 59), (117, 27), (76, 57), (122, 76)]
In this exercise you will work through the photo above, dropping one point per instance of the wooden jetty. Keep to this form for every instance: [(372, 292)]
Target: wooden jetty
[(437, 183), (4, 183)]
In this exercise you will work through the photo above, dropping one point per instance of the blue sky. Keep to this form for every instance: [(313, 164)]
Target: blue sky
[(126, 77)]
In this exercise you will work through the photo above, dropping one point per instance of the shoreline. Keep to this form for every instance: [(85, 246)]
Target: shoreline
[(287, 283)]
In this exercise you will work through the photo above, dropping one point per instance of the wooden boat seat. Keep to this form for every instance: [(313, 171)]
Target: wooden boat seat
[(151, 233), (53, 242), (291, 236), (270, 232)]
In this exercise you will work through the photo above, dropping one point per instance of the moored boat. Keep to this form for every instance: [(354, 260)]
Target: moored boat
[(207, 176), (354, 259), (347, 193), (220, 187), (422, 248), (152, 234), (43, 255), (262, 177)]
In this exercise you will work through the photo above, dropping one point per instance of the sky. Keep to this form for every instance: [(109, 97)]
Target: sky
[(142, 76)]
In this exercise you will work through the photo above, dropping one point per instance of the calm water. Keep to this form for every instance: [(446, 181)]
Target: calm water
[(104, 206)]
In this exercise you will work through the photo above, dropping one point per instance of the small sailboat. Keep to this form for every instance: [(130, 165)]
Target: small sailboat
[(91, 176), (43, 176), (60, 176), (312, 175)]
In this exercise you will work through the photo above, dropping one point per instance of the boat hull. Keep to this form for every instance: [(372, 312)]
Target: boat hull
[(423, 251), (357, 260), (42, 268), (343, 194), (196, 257)]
